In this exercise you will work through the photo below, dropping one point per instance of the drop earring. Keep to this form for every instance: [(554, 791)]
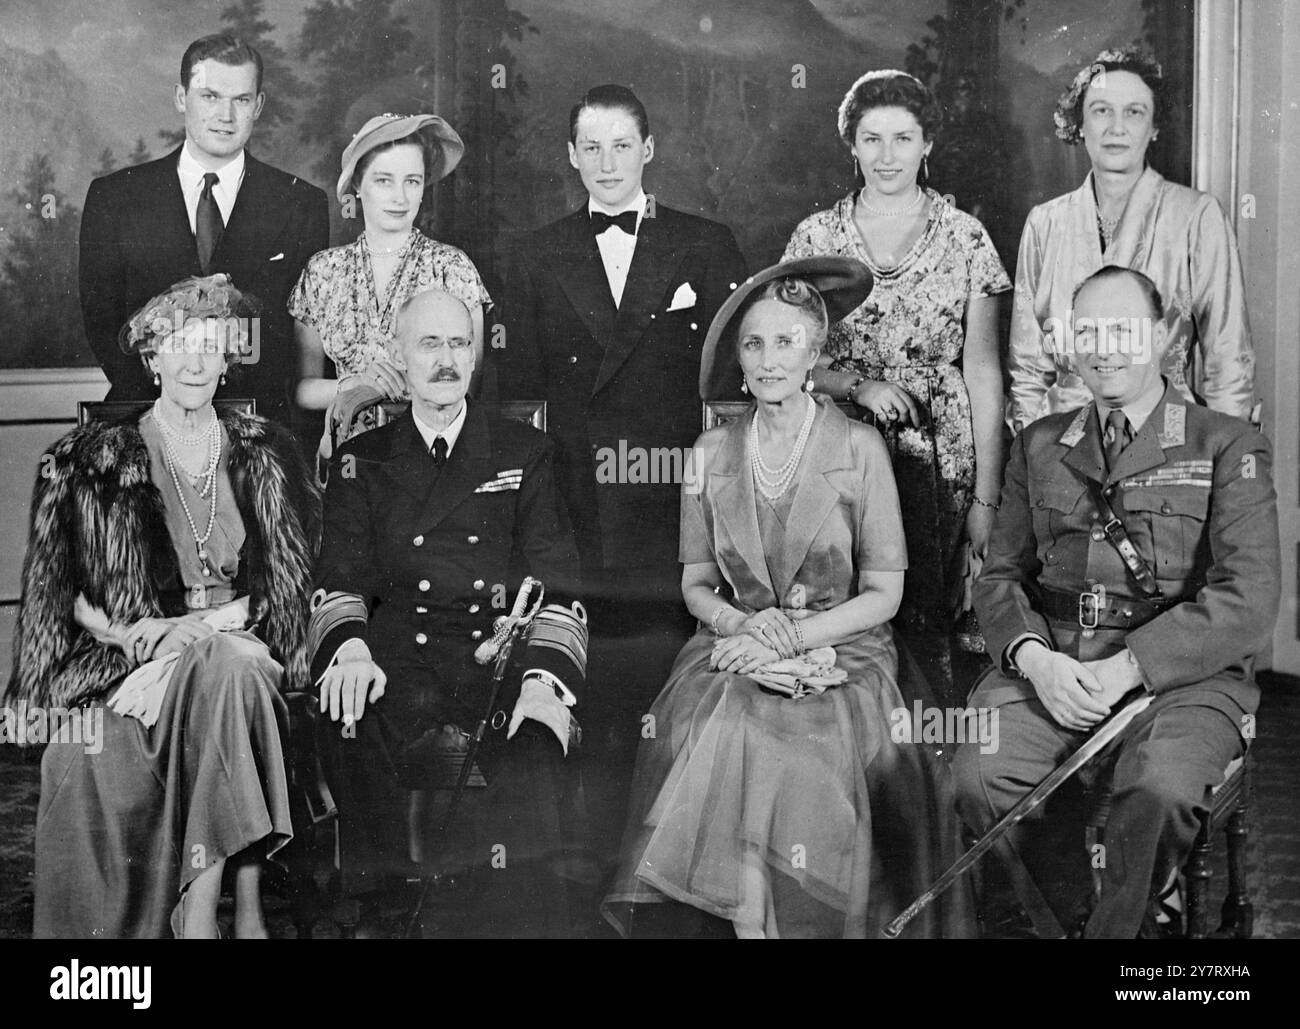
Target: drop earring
[(808, 382), (925, 167), (157, 379), (744, 385), (223, 378)]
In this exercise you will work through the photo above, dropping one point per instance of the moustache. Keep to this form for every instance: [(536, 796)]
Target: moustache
[(446, 376)]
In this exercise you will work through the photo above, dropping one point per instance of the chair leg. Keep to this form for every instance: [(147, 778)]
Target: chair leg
[(1238, 912), (1198, 874)]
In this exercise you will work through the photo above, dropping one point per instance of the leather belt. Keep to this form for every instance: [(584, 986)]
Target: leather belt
[(1099, 609)]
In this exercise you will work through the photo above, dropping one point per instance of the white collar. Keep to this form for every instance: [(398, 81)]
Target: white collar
[(637, 204), (230, 174), (1136, 413), (451, 433)]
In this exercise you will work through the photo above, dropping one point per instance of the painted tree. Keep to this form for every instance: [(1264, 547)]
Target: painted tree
[(39, 304)]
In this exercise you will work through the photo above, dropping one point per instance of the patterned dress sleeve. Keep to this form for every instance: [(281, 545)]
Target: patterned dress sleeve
[(805, 240), (461, 279), (304, 301), (988, 277)]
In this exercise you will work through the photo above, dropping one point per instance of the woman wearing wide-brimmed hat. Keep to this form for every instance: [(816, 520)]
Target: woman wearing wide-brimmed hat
[(347, 299), (775, 790)]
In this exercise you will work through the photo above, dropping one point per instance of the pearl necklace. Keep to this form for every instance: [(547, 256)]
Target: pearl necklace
[(911, 208), (389, 252), (773, 482), (210, 477), (178, 436)]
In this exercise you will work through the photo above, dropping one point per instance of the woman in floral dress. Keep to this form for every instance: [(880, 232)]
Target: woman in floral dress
[(922, 353), (346, 302)]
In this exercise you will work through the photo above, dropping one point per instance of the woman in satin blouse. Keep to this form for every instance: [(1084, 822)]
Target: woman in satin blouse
[(1127, 213)]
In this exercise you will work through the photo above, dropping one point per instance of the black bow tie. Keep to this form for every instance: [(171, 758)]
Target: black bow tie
[(600, 221)]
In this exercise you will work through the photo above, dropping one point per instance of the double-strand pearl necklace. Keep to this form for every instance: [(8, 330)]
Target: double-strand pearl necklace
[(911, 208), (208, 477), (773, 482)]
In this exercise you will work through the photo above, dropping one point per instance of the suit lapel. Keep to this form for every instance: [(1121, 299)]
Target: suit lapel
[(581, 275), (814, 496), (256, 217), (1083, 436), (409, 466), (173, 221), (734, 507), (654, 261), (468, 466), (1147, 450)]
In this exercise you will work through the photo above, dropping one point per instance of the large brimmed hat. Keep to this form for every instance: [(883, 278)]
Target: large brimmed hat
[(385, 128), (843, 282)]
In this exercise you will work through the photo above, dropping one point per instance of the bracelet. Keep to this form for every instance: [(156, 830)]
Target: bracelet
[(853, 387), (802, 647), (984, 503), (713, 622)]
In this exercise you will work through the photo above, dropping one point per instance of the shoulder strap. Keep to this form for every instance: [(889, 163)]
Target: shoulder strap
[(1117, 534)]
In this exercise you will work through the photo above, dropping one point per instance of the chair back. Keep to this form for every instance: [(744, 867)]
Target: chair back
[(720, 412), (115, 410)]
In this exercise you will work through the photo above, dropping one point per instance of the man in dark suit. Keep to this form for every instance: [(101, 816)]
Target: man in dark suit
[(206, 207), (431, 523), (1174, 594), (605, 312)]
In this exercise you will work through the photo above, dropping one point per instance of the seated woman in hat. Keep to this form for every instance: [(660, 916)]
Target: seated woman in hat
[(778, 786), (345, 304), (164, 608)]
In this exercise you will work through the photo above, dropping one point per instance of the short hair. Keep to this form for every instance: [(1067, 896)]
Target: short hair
[(610, 95), (898, 90), (406, 305), (1118, 271), (430, 153), (793, 292), (1068, 115), (222, 48)]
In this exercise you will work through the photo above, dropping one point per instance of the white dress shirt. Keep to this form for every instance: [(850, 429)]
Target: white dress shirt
[(229, 178), (616, 246), (451, 433)]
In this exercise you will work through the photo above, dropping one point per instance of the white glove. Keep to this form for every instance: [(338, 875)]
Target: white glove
[(537, 700)]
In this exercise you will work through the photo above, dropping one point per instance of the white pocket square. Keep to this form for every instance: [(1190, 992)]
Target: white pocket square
[(683, 298), (278, 257)]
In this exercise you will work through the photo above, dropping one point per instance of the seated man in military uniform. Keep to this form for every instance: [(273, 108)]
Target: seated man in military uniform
[(431, 523), (1136, 548)]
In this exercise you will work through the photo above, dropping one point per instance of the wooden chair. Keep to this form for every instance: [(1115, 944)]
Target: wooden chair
[(117, 410), (1229, 813)]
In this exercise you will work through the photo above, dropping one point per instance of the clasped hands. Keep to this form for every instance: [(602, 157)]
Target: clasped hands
[(145, 639), (1077, 694), (757, 640)]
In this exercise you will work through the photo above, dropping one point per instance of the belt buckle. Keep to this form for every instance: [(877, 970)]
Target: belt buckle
[(1091, 604)]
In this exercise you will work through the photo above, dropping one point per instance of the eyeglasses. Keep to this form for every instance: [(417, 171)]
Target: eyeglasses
[(457, 344)]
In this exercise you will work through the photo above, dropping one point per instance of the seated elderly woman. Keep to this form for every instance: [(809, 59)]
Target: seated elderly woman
[(773, 788), (164, 603)]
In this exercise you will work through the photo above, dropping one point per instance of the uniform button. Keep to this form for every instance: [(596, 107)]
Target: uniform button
[(1128, 612), (1166, 509), (694, 326), (652, 317), (424, 585), (474, 609), (1038, 502), (479, 584), (471, 540), (418, 541), (421, 638), (1088, 634), (477, 634), (1098, 535), (573, 359)]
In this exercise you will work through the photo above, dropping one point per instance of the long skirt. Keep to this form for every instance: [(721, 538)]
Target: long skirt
[(124, 826), (788, 818)]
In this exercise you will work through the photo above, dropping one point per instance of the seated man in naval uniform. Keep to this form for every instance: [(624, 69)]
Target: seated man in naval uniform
[(1136, 548), (431, 523)]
